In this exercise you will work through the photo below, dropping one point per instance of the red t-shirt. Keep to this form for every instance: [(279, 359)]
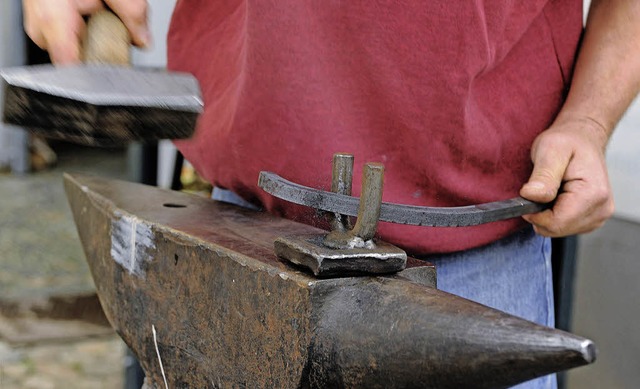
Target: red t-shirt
[(448, 95)]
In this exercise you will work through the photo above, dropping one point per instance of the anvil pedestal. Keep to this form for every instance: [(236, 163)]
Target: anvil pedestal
[(194, 288)]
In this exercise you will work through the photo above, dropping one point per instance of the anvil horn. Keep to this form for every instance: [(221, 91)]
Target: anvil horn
[(385, 331), (195, 290)]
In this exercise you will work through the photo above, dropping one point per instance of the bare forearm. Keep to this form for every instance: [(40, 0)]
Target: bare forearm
[(571, 153), (607, 73)]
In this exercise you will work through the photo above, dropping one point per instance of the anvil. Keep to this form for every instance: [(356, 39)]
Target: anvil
[(194, 288)]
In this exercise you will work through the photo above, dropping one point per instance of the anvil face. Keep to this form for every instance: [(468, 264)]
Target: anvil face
[(99, 104), (196, 284)]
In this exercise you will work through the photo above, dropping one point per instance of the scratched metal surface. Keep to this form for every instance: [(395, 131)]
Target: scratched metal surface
[(227, 312)]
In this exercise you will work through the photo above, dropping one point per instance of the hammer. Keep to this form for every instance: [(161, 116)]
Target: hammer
[(103, 102)]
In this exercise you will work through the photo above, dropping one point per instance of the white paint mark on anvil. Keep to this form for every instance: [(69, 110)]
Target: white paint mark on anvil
[(131, 241)]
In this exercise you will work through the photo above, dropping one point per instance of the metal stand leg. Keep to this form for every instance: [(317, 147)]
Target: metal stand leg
[(143, 163), (133, 373), (14, 149), (19, 145), (563, 262), (176, 184)]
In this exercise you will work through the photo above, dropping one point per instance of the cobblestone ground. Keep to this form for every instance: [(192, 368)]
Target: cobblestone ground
[(86, 363)]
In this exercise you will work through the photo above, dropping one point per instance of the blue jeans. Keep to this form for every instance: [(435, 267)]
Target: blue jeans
[(512, 275)]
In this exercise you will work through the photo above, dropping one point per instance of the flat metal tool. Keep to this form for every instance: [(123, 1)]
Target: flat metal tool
[(103, 102), (344, 252)]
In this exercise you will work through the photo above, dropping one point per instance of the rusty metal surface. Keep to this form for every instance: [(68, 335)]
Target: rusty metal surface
[(400, 213), (99, 104), (228, 313), (188, 268)]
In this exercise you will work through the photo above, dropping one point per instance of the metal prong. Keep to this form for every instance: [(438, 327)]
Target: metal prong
[(341, 183), (370, 201)]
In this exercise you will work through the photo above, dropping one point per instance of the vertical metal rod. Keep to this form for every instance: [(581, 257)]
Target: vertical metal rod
[(341, 235), (342, 177), (370, 201), (341, 183)]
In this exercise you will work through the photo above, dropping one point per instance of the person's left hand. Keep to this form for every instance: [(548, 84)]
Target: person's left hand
[(569, 166)]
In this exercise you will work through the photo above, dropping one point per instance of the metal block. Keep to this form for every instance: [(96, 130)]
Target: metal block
[(310, 252)]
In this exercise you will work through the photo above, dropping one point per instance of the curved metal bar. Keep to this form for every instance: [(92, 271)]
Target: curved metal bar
[(399, 213)]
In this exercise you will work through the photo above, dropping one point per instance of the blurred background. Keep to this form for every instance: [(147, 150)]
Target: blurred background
[(53, 333)]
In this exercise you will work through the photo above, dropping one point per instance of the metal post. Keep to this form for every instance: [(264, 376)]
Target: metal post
[(14, 144)]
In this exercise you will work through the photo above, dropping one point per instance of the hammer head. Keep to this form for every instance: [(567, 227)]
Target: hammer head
[(101, 105)]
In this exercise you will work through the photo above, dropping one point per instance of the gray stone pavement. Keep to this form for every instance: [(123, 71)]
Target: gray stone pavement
[(50, 334), (39, 247), (89, 363)]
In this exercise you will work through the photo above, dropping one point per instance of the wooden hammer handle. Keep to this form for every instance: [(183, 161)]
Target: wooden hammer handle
[(107, 40)]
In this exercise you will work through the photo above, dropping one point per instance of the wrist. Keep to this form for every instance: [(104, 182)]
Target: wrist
[(598, 130)]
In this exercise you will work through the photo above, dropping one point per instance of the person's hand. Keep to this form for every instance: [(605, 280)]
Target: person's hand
[(57, 25), (569, 162)]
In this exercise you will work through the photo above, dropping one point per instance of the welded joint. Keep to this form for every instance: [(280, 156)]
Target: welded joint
[(342, 236)]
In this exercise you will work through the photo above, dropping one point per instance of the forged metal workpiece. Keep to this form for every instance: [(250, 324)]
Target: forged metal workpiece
[(399, 213), (101, 105), (193, 285), (344, 251)]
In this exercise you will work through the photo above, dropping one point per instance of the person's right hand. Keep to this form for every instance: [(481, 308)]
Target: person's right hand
[(58, 25)]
